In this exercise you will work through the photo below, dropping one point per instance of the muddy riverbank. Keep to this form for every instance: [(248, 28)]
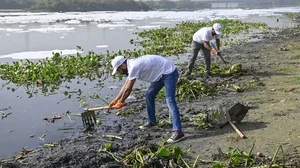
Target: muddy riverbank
[(271, 121)]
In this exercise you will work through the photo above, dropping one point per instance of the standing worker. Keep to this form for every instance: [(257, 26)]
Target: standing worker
[(201, 41), (160, 72)]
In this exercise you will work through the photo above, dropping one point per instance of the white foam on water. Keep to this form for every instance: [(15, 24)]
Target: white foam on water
[(159, 22), (125, 22), (12, 30), (148, 27), (72, 22), (62, 37), (107, 25), (22, 25), (39, 54), (122, 17), (52, 29), (101, 46), (43, 29), (22, 14)]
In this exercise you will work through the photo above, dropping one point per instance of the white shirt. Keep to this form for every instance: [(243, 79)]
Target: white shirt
[(149, 68), (204, 34)]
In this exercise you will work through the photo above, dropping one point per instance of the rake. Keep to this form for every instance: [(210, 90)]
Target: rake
[(89, 116)]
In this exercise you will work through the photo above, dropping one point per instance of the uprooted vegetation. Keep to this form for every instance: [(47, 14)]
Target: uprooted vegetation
[(145, 154)]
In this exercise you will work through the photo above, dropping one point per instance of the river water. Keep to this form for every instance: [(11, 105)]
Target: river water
[(36, 35)]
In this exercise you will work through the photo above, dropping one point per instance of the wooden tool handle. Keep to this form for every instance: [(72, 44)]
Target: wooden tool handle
[(237, 130), (97, 108), (100, 108)]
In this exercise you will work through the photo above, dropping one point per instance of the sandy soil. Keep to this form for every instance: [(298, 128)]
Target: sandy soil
[(271, 121)]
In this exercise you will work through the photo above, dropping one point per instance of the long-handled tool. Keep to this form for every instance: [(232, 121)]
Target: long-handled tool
[(235, 114), (96, 108), (233, 126), (89, 116), (213, 46)]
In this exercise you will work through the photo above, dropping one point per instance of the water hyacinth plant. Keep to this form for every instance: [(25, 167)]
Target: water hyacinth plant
[(48, 75), (174, 40)]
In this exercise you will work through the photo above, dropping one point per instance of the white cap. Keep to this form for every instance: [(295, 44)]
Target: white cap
[(116, 62), (218, 28)]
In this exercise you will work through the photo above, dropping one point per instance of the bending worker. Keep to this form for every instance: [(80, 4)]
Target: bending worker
[(201, 41), (160, 72)]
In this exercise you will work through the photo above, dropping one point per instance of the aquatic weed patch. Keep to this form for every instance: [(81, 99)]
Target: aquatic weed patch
[(174, 40), (50, 74), (188, 89), (191, 90), (293, 15)]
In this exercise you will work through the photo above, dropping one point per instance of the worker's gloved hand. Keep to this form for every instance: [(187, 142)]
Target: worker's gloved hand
[(214, 51), (112, 103), (119, 105)]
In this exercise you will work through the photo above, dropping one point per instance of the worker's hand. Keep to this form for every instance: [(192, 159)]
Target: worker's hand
[(214, 51), (112, 103), (119, 105)]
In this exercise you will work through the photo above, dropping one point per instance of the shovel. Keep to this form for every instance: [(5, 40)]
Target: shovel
[(235, 114), (233, 125), (89, 117), (213, 46)]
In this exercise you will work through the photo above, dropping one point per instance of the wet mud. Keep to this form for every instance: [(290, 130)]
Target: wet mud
[(271, 120)]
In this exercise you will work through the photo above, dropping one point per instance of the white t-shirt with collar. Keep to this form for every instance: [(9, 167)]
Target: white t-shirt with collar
[(205, 34), (149, 68)]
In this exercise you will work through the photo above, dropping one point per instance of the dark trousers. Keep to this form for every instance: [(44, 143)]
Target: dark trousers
[(195, 50)]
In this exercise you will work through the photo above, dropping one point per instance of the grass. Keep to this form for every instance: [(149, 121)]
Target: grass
[(297, 79), (294, 56), (285, 69), (294, 47)]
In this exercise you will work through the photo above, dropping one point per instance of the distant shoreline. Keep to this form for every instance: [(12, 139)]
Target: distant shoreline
[(12, 10), (178, 10)]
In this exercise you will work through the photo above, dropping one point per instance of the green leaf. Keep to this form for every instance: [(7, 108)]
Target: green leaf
[(218, 165), (98, 122), (163, 152), (108, 146), (178, 152)]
